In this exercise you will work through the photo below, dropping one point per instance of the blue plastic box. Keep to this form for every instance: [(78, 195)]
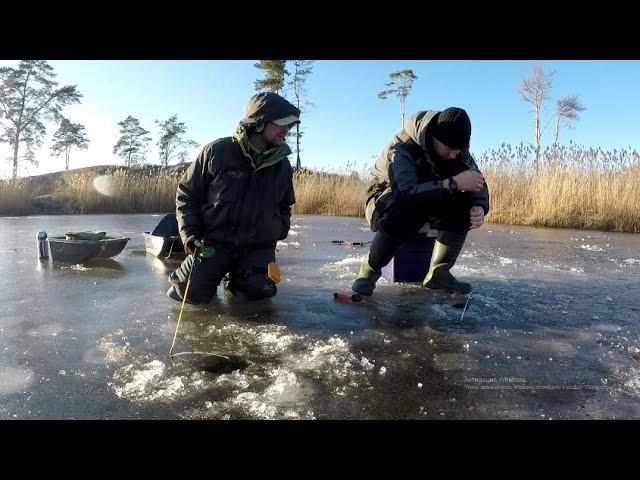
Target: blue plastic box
[(411, 262)]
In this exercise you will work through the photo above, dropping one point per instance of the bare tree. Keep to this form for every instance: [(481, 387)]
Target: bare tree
[(301, 70), (535, 90), (400, 83), (567, 110)]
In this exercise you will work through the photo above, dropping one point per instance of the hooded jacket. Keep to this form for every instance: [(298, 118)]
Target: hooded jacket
[(234, 195), (408, 166), (224, 197)]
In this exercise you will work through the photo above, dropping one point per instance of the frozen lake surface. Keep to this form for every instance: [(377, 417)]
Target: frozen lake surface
[(552, 331)]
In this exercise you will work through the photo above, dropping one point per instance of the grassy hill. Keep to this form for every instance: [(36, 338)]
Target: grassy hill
[(96, 189)]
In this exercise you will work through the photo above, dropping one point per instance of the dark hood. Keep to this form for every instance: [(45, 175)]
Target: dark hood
[(267, 107)]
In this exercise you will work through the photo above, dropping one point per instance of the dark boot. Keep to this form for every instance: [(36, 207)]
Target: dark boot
[(382, 250), (173, 295), (251, 287), (445, 253), (204, 274)]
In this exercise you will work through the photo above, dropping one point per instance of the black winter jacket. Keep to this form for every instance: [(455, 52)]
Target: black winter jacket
[(224, 197)]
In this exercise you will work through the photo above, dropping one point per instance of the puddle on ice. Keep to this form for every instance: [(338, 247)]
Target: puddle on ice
[(96, 357), (14, 379), (49, 330), (453, 361)]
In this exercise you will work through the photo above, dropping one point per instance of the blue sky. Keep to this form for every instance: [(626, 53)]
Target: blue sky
[(349, 124)]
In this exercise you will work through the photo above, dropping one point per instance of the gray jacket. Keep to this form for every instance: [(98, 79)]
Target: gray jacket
[(405, 169)]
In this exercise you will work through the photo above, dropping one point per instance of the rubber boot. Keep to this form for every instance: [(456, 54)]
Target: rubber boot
[(382, 250), (173, 295), (179, 279), (445, 253)]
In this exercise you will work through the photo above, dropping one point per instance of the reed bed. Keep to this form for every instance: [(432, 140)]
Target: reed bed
[(569, 187)]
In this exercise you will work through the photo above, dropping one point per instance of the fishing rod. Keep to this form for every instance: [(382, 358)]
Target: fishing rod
[(184, 299), (465, 307), (349, 242), (206, 252)]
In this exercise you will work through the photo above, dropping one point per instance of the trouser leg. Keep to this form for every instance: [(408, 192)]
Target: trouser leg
[(382, 250), (206, 274), (404, 219), (248, 276)]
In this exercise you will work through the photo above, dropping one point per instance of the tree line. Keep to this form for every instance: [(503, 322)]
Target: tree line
[(134, 140), (534, 89), (29, 96)]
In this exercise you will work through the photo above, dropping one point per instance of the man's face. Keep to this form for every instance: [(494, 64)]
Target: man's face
[(273, 134), (443, 151)]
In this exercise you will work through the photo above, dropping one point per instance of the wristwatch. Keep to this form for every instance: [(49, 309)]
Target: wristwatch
[(453, 186)]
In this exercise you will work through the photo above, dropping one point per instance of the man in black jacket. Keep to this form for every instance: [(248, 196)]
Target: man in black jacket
[(235, 199), (424, 175)]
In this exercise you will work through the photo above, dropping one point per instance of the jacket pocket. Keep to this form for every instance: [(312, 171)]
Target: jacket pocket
[(217, 217), (227, 186), (269, 227)]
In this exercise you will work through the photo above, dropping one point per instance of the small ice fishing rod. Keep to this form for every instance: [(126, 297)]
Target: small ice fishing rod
[(206, 252), (349, 242), (184, 299), (465, 307)]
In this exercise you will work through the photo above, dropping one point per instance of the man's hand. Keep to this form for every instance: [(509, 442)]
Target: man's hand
[(469, 181), (476, 216), (190, 247)]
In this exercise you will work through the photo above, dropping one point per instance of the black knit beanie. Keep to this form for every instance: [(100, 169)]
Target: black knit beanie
[(453, 128)]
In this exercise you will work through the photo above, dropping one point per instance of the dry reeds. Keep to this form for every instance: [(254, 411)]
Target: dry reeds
[(15, 197), (323, 193), (118, 191), (573, 187)]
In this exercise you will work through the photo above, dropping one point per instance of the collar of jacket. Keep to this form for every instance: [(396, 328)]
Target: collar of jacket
[(259, 160)]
